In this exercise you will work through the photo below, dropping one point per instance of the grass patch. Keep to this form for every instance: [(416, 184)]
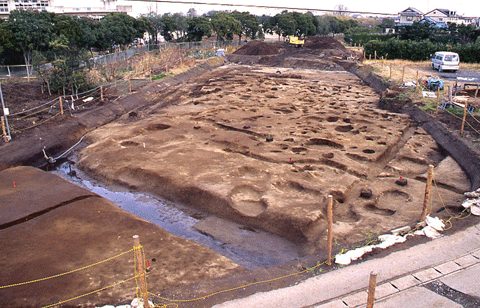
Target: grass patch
[(454, 110), (159, 76)]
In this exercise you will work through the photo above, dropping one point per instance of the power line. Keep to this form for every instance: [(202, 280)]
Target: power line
[(264, 7)]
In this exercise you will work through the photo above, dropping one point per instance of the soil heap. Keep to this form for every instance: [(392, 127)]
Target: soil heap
[(321, 53), (257, 48)]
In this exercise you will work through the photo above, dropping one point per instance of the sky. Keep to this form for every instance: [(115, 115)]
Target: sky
[(470, 8)]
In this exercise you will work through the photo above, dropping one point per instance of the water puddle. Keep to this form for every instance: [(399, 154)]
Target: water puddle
[(245, 245)]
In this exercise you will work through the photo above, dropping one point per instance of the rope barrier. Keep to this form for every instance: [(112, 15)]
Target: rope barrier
[(90, 293), (37, 124), (66, 273), (449, 220), (240, 287), (470, 125)]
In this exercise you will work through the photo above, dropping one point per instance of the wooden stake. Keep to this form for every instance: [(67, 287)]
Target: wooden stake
[(5, 137), (61, 104), (438, 100), (130, 85), (101, 93), (330, 231), (449, 94), (403, 74), (375, 55), (371, 289), (416, 89), (390, 70), (465, 110), (139, 261), (370, 57), (426, 199)]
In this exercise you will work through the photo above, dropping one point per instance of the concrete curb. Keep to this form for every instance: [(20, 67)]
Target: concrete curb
[(397, 272)]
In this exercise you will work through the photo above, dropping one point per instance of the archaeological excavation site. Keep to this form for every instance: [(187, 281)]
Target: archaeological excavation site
[(249, 147)]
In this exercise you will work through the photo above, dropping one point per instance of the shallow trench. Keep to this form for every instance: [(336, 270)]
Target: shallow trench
[(249, 247)]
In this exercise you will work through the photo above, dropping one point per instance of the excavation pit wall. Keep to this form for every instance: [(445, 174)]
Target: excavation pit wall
[(264, 146), (450, 143)]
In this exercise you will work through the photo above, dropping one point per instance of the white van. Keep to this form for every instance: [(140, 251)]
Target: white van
[(444, 60)]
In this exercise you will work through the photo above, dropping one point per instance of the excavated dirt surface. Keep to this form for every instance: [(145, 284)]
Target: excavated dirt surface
[(50, 226), (261, 141), (265, 149)]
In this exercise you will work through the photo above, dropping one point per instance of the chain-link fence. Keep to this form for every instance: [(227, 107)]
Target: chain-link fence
[(15, 71), (20, 71)]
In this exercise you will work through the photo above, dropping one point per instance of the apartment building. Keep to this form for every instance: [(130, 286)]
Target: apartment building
[(109, 6)]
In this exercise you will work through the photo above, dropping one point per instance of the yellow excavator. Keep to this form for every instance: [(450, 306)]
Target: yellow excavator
[(293, 40)]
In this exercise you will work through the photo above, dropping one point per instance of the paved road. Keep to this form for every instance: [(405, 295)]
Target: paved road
[(460, 76), (440, 273)]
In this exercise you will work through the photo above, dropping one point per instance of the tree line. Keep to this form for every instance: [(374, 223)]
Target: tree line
[(417, 42), (27, 34)]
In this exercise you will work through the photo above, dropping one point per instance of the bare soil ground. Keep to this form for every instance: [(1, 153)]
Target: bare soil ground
[(393, 70), (265, 145), (262, 141), (49, 227)]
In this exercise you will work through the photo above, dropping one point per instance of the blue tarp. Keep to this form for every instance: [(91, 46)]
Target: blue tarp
[(435, 84)]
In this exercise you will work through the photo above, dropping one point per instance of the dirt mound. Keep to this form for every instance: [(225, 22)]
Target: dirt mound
[(324, 42), (257, 48)]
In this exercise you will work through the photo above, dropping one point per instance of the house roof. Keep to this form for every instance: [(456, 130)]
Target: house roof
[(443, 11), (435, 23), (411, 10)]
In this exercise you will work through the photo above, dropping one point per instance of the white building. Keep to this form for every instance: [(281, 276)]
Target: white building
[(447, 16), (440, 17), (409, 16), (109, 6)]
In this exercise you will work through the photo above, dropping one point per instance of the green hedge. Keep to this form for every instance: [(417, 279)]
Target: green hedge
[(419, 51), (361, 39)]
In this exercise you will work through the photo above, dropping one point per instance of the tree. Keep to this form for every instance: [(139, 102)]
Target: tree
[(341, 9), (198, 27), (32, 30), (120, 29), (344, 24), (225, 26), (305, 24), (7, 40), (169, 26), (69, 27), (286, 24), (327, 24), (156, 25), (143, 25), (270, 25), (250, 24), (467, 34), (181, 24), (192, 13), (418, 31), (387, 23)]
